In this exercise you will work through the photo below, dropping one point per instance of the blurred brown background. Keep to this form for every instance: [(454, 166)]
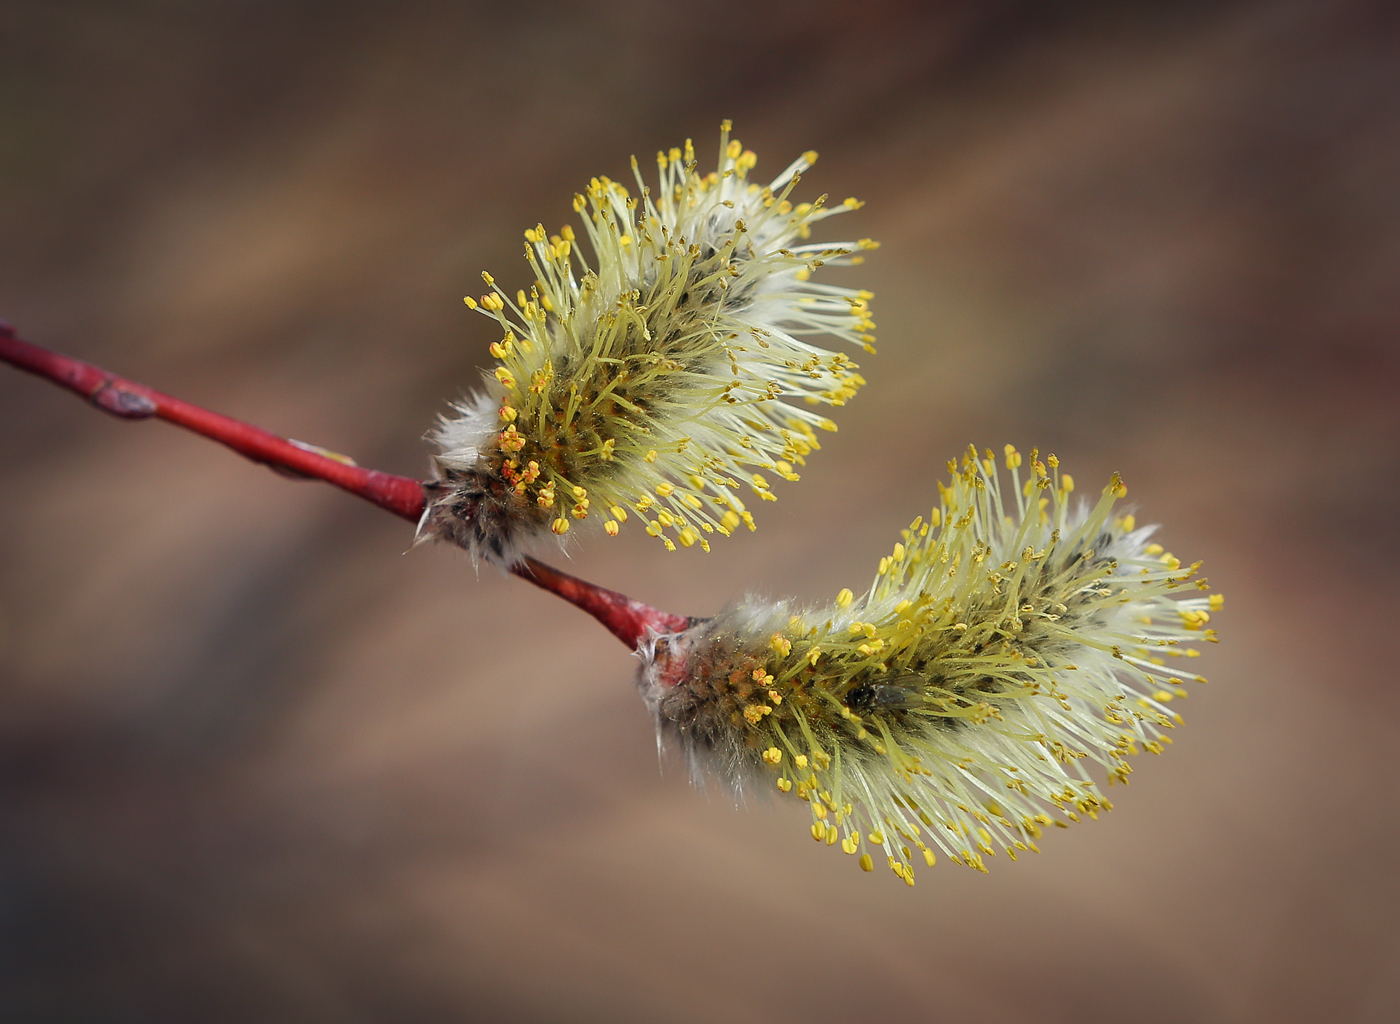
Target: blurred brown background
[(257, 763)]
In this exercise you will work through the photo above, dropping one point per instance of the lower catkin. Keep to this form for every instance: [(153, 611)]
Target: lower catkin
[(1006, 642)]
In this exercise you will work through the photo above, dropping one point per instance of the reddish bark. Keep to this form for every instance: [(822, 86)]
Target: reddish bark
[(626, 619)]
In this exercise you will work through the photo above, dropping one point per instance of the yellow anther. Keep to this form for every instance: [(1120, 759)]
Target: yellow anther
[(785, 785), (471, 302), (772, 755), (781, 644), (1217, 601), (866, 864), (650, 456), (687, 537), (844, 598), (1066, 482), (1194, 620), (611, 528), (1129, 523), (800, 760), (665, 489), (560, 526)]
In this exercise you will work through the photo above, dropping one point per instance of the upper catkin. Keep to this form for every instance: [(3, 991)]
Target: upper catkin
[(1005, 641), (663, 374)]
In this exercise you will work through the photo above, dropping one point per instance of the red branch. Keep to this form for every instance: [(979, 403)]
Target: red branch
[(131, 401), (626, 619)]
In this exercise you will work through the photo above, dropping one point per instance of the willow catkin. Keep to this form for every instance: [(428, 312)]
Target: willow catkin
[(1006, 641), (664, 377)]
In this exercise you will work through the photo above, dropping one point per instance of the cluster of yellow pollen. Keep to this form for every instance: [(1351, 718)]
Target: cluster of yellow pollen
[(1006, 640), (658, 378)]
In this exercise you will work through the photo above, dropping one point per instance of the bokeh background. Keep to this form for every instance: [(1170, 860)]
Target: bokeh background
[(259, 761)]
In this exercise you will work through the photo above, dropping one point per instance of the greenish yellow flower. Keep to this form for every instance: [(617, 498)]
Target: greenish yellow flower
[(1006, 642), (666, 376)]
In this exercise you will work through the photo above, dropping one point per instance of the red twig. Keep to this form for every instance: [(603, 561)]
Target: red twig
[(131, 401), (626, 619)]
